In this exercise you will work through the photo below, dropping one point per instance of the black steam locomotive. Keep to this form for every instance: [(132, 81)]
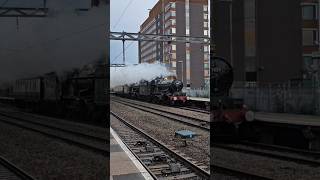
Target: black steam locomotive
[(79, 94), (167, 90)]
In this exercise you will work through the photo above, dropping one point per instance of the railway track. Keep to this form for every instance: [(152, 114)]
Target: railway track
[(62, 132), (275, 152), (146, 148), (148, 105), (236, 174), (195, 110), (163, 161), (314, 154), (201, 124), (10, 171)]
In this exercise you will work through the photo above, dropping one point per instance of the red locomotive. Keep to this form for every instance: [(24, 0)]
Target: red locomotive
[(230, 119)]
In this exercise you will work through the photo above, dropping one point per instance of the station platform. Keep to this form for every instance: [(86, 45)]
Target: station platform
[(123, 164), (199, 99), (284, 118)]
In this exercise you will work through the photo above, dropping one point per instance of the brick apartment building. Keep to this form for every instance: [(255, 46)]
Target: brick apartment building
[(182, 18), (267, 41), (310, 36)]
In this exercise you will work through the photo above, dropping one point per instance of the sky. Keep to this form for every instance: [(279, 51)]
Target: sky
[(63, 40), (134, 13)]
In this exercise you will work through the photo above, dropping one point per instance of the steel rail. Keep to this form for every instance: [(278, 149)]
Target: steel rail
[(203, 173), (162, 115), (19, 123), (164, 111), (14, 169)]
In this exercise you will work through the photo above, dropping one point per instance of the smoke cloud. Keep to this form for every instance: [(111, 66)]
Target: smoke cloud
[(67, 38), (134, 73)]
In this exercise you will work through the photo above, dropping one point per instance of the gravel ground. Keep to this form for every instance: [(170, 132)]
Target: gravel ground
[(193, 114), (79, 127), (54, 122), (164, 130), (46, 158), (276, 169)]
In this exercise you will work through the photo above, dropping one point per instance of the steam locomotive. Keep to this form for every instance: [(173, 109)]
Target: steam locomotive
[(166, 90), (231, 119), (79, 94)]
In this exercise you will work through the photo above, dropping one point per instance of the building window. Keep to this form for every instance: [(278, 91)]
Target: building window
[(174, 56), (173, 47), (205, 32), (206, 56), (205, 24), (173, 5), (173, 13), (205, 48), (206, 65), (173, 30), (205, 16), (205, 7), (173, 21), (310, 37), (187, 32), (174, 64), (309, 12), (206, 73)]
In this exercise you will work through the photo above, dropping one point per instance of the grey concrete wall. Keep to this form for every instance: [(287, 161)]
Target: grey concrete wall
[(279, 39), (196, 54), (181, 47)]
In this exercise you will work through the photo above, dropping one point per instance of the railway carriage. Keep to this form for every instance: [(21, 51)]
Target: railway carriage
[(81, 93)]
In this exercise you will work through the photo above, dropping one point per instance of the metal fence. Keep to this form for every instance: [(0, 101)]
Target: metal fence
[(280, 98), (199, 92)]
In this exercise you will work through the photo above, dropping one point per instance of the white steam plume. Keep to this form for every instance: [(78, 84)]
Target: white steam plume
[(134, 73)]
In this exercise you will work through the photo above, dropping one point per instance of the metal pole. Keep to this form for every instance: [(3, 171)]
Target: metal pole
[(163, 20), (123, 53), (231, 34), (182, 71)]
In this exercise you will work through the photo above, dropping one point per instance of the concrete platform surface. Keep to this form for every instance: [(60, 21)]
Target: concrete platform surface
[(199, 99), (123, 164), (296, 119)]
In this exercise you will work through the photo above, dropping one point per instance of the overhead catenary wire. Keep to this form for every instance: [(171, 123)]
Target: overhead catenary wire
[(122, 14), (126, 48)]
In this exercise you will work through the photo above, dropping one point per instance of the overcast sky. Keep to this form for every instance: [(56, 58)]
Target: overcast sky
[(63, 40), (134, 13)]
